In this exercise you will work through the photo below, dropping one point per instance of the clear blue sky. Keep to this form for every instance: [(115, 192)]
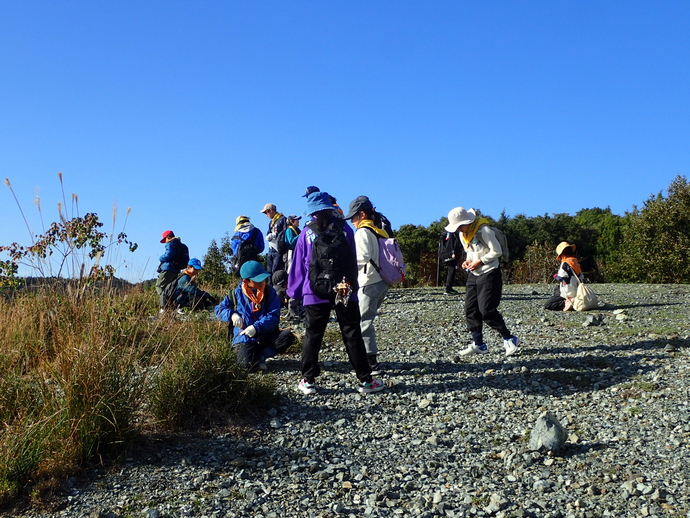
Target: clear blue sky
[(192, 113)]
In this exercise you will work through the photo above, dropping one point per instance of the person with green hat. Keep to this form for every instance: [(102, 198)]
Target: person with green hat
[(253, 309)]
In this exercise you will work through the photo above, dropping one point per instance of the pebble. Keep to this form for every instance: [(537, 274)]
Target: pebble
[(450, 435)]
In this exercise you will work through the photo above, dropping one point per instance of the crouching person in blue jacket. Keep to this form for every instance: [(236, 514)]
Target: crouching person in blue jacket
[(253, 308)]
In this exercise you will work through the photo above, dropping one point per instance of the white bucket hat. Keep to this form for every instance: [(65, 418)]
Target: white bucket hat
[(459, 216)]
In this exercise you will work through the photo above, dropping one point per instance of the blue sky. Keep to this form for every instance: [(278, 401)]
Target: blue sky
[(192, 113)]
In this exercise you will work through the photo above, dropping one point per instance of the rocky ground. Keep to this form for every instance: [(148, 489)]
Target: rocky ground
[(449, 436)]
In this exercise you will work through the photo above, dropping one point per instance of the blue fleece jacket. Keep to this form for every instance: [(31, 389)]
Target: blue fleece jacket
[(265, 320)]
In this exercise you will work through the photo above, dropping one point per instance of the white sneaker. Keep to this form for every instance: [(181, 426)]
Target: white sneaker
[(373, 386), (474, 349), (306, 387), (511, 345)]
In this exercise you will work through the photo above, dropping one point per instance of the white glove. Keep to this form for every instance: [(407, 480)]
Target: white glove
[(249, 331), (271, 236), (237, 320)]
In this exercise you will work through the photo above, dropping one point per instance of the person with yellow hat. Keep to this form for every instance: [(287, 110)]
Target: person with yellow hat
[(569, 276)]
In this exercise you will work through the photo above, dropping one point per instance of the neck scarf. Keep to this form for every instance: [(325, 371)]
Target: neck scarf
[(574, 264), (275, 218), (472, 230), (254, 295), (370, 224)]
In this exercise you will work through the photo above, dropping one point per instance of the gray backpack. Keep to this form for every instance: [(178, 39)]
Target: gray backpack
[(503, 241)]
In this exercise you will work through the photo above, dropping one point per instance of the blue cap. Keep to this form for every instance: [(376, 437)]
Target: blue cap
[(195, 263), (310, 189), (253, 271), (318, 201)]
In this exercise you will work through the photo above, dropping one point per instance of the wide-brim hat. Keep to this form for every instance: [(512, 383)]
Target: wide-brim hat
[(359, 204), (318, 201), (241, 219), (253, 271), (167, 234), (459, 216), (562, 246)]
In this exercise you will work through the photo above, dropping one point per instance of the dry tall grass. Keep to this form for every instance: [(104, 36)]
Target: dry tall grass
[(84, 371)]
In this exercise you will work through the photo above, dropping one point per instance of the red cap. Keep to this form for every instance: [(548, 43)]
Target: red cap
[(167, 234)]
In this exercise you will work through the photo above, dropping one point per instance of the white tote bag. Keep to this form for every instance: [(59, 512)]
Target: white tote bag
[(585, 299)]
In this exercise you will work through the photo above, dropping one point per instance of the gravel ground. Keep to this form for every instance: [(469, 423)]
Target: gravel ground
[(449, 436)]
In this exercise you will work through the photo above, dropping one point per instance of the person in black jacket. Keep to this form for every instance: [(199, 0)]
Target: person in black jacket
[(450, 253)]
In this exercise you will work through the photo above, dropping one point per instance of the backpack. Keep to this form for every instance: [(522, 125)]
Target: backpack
[(181, 256), (331, 257), (281, 242), (247, 251), (503, 241), (391, 266), (448, 248)]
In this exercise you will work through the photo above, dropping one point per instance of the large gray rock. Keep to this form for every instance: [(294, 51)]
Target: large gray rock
[(548, 434)]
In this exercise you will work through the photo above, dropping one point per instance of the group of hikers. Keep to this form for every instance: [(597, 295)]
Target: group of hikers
[(328, 266)]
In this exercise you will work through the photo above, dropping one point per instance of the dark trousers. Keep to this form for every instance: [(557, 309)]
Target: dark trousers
[(265, 346), (450, 276), (482, 298), (317, 316), (274, 261), (555, 302)]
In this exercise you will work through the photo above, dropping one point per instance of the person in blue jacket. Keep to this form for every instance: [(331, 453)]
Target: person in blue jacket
[(253, 308), (246, 231), (188, 294), (174, 259)]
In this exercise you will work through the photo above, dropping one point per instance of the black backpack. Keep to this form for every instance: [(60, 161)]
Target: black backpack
[(247, 251), (449, 248), (281, 242), (331, 260), (181, 259)]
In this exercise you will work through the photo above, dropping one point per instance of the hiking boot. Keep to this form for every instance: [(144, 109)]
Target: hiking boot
[(307, 387), (511, 345), (450, 291), (372, 386), (474, 349)]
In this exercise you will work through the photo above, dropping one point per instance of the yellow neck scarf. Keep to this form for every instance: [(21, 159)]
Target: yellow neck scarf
[(472, 230), (370, 224)]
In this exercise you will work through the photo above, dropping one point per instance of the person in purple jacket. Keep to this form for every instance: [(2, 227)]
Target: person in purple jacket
[(305, 282)]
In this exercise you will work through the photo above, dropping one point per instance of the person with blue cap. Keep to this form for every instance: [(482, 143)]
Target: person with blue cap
[(253, 309), (324, 277), (188, 294)]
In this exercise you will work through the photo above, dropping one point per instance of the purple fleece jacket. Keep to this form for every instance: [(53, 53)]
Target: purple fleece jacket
[(298, 277)]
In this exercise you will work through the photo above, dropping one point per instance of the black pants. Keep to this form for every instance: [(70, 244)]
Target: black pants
[(450, 276), (265, 346), (482, 298), (274, 261), (317, 316), (555, 302)]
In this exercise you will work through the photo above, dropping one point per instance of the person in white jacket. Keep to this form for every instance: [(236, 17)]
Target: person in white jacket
[(484, 281), (372, 288)]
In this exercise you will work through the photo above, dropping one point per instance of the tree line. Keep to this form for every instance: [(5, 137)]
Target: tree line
[(650, 244)]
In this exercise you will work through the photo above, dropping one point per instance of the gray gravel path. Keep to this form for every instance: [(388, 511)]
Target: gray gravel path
[(449, 436)]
